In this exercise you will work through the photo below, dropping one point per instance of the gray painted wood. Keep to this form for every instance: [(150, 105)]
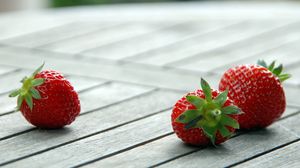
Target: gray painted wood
[(82, 83), (203, 43), (288, 156), (20, 146), (285, 54), (55, 34), (237, 149), (295, 72), (131, 74), (161, 150), (12, 26), (5, 70), (255, 48), (78, 44), (292, 124), (102, 144), (7, 104), (159, 39), (291, 94), (13, 124), (12, 81), (108, 94)]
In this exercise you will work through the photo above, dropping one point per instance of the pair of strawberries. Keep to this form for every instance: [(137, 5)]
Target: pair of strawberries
[(249, 96)]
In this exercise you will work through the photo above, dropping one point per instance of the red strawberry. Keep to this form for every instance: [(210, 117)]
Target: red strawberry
[(204, 116), (257, 90), (47, 99)]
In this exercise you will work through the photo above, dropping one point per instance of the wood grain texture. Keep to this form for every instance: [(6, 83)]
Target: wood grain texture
[(108, 94), (292, 124), (288, 156), (101, 144), (140, 75), (237, 149), (81, 83), (92, 123), (165, 149)]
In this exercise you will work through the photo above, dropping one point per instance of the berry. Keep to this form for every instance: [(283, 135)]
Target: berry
[(47, 99), (257, 90), (204, 117)]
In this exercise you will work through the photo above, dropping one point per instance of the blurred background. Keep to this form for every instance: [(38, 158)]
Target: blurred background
[(8, 5)]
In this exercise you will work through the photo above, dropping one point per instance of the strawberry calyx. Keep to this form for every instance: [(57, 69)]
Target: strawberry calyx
[(210, 114), (277, 71), (27, 92)]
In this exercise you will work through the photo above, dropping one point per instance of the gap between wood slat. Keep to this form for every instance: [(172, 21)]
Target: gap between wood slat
[(266, 32), (185, 154), (263, 153)]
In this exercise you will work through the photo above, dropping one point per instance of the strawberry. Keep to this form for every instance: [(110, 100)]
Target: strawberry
[(257, 90), (204, 117), (47, 99)]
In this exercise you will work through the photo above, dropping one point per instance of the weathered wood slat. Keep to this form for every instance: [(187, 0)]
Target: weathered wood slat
[(283, 157), (109, 94), (295, 72), (139, 75), (13, 124), (7, 105), (255, 48), (237, 149), (12, 80), (285, 54), (96, 122), (161, 38), (81, 83), (55, 34), (203, 43), (12, 26), (288, 156), (102, 144), (77, 44), (5, 70), (164, 149), (292, 124), (291, 94)]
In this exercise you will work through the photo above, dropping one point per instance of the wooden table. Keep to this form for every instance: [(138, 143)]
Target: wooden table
[(130, 63)]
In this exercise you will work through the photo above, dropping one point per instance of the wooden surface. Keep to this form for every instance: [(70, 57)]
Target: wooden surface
[(130, 63)]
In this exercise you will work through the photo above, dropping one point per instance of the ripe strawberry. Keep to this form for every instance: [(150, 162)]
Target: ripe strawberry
[(204, 116), (47, 99), (257, 90)]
